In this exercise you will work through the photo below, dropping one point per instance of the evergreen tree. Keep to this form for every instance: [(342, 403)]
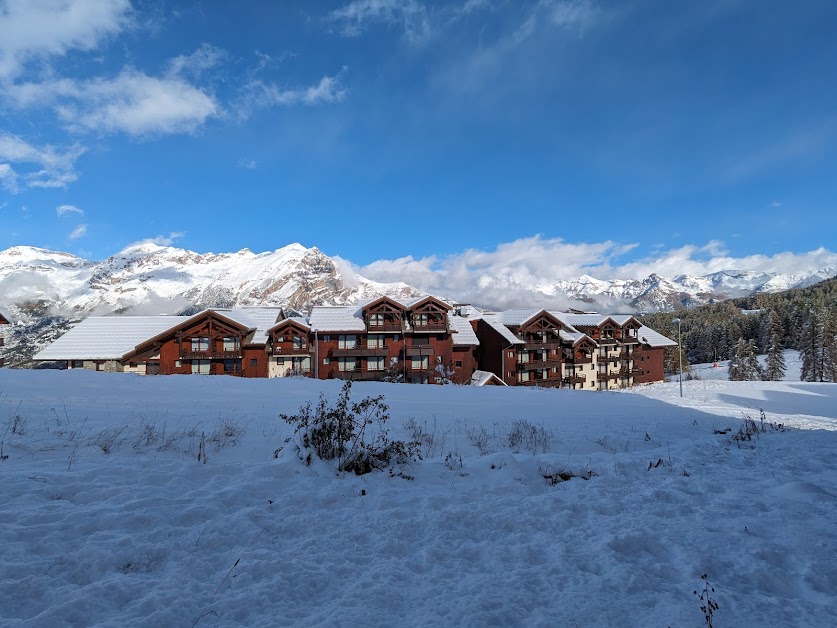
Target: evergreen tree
[(811, 348), (752, 369), (737, 368), (829, 346), (775, 351)]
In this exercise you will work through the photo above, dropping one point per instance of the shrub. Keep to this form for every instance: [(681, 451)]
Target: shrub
[(528, 436), (354, 434)]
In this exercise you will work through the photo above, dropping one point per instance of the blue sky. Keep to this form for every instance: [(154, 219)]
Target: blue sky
[(644, 134)]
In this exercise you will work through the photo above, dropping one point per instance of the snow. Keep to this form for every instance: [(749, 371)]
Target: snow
[(146, 535)]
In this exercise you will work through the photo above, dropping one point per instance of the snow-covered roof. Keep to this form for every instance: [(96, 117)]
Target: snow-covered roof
[(332, 318), (517, 316), (107, 337), (481, 378), (583, 320), (573, 336), (653, 338), (5, 320), (464, 332), (494, 321), (621, 319), (259, 318)]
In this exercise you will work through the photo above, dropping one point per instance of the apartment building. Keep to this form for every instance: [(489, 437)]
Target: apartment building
[(422, 340)]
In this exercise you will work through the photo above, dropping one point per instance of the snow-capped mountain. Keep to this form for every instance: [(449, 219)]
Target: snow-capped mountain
[(148, 278)]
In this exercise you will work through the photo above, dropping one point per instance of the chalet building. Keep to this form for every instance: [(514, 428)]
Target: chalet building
[(422, 340), (526, 347), (212, 342), (417, 341), (5, 325)]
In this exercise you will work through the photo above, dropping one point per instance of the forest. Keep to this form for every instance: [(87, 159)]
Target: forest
[(804, 319)]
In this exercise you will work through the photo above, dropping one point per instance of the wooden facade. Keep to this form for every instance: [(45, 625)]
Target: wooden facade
[(206, 344), (416, 341)]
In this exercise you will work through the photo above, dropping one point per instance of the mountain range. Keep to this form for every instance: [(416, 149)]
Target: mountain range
[(42, 290)]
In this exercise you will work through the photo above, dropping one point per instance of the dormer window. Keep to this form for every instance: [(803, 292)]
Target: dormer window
[(200, 343), (376, 320)]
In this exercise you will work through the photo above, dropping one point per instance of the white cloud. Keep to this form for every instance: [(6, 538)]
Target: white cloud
[(260, 95), (247, 164), (132, 103), (78, 232), (160, 240), (196, 64), (63, 210), (530, 270), (26, 165), (355, 17), (38, 29)]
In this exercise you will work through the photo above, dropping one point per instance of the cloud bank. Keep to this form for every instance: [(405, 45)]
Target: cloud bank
[(536, 269)]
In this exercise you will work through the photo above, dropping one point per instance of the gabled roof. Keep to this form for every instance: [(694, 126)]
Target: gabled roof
[(4, 320), (107, 337), (481, 378), (575, 337), (411, 304), (653, 338), (261, 319), (189, 320), (291, 320), (462, 331), (584, 320), (497, 325), (334, 318)]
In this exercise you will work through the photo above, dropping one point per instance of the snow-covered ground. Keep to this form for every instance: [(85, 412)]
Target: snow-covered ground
[(107, 521)]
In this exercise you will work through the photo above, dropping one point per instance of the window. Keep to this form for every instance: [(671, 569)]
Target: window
[(326, 338), (200, 343), (458, 364), (421, 319), (77, 364), (232, 366), (199, 367), (523, 357), (302, 364), (375, 364), (326, 361), (231, 344), (152, 368), (178, 364), (298, 342), (421, 341), (376, 320), (602, 352), (511, 374), (346, 364), (511, 354), (254, 361), (420, 362), (375, 341), (347, 342), (524, 376)]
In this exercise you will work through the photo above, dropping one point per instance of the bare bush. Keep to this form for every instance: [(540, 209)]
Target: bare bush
[(431, 439), (525, 435)]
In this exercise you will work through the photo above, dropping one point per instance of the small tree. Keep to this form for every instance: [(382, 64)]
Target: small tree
[(737, 367), (751, 361)]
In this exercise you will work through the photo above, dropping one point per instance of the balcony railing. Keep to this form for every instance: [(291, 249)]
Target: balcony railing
[(575, 379), (188, 354), (359, 350), (430, 327), (360, 374), (288, 349), (629, 340), (538, 364), (538, 345), (386, 326), (549, 382), (419, 350)]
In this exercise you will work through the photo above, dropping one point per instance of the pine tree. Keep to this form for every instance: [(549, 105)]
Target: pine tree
[(811, 348), (737, 367), (775, 351), (751, 361), (829, 346)]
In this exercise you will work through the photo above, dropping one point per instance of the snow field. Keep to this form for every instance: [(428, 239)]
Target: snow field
[(140, 536)]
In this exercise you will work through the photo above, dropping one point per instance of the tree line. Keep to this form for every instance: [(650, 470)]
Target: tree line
[(804, 319)]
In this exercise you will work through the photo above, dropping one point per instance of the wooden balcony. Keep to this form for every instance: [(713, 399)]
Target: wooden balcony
[(360, 375), (607, 341), (297, 372), (431, 327), (537, 346), (385, 327), (549, 382), (602, 376), (575, 379), (535, 365), (188, 354), (290, 350), (579, 359), (359, 351), (629, 340), (419, 350)]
